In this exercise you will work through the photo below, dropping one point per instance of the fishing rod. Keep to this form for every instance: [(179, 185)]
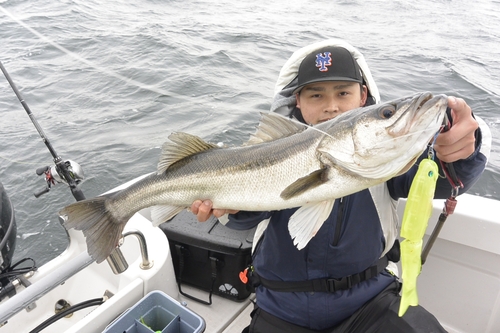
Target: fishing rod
[(67, 171)]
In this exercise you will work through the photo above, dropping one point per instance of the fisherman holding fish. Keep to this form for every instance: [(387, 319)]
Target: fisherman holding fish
[(322, 189), (344, 279)]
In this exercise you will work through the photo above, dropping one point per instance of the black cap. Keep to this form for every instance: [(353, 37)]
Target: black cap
[(328, 64)]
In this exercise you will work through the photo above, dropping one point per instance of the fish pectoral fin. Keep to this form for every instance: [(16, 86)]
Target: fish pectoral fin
[(307, 220), (274, 126), (304, 184), (160, 214), (181, 145)]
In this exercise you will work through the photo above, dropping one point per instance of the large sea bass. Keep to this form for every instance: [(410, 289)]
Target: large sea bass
[(285, 164)]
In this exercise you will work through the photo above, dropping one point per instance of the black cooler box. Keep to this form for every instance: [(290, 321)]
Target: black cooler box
[(209, 256)]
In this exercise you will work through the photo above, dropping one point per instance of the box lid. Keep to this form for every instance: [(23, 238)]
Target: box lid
[(210, 235)]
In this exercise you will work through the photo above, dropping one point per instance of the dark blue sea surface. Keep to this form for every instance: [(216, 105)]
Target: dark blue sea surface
[(108, 81)]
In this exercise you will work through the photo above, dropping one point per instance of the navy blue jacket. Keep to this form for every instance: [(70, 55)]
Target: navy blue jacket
[(359, 230)]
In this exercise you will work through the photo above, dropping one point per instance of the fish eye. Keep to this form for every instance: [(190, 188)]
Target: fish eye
[(387, 112)]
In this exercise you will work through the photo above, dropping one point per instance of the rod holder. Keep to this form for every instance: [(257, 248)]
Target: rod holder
[(117, 261), (146, 263)]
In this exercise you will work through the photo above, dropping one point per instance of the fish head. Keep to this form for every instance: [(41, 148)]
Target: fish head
[(384, 140)]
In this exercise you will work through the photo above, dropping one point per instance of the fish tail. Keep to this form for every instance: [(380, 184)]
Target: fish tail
[(102, 230)]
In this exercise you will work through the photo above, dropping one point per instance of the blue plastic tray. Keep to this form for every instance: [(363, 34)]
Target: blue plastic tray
[(157, 312)]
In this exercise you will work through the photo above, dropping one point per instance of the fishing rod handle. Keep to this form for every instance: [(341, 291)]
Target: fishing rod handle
[(38, 194)]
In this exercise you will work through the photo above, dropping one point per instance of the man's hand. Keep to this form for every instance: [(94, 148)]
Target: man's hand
[(459, 141), (203, 210)]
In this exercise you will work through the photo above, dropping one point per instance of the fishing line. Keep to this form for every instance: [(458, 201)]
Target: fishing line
[(90, 63), (399, 137), (18, 162), (369, 147), (295, 120)]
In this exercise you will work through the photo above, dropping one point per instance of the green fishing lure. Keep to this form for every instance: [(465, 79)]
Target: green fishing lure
[(416, 216)]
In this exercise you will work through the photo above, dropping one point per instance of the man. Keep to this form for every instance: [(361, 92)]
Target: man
[(357, 240)]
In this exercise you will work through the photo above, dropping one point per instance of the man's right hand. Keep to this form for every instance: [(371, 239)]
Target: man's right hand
[(203, 210)]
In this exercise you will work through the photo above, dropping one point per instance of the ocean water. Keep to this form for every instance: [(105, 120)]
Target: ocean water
[(108, 81)]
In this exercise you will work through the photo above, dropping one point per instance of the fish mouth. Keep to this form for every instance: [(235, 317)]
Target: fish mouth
[(422, 100), (420, 121), (417, 111), (426, 102), (420, 104)]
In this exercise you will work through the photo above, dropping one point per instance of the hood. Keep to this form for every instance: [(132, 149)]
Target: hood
[(284, 100)]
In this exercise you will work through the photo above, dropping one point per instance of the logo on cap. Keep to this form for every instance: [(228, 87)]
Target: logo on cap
[(323, 60)]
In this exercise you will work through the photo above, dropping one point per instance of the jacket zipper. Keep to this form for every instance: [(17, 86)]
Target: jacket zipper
[(338, 222)]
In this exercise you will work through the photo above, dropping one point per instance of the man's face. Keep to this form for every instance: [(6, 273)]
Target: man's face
[(322, 101)]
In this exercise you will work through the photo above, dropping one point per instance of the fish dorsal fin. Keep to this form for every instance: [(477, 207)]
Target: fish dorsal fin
[(180, 146), (273, 126)]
